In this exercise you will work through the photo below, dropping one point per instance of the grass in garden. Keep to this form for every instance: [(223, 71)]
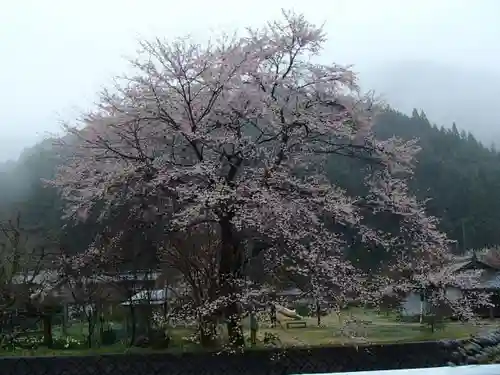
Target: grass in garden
[(377, 328)]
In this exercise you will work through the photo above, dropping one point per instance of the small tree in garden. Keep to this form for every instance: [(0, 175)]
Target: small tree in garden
[(194, 257), (21, 279), (127, 263), (81, 277), (13, 253), (235, 134)]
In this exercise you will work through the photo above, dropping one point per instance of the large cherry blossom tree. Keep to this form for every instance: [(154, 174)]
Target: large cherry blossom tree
[(234, 134)]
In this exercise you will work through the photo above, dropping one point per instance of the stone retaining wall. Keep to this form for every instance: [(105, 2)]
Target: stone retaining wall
[(254, 362)]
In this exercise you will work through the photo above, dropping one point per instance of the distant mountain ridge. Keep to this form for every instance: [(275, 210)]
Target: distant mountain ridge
[(12, 146)]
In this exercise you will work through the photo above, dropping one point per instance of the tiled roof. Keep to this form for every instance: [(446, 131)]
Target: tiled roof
[(493, 282), (479, 279), (50, 276), (153, 297)]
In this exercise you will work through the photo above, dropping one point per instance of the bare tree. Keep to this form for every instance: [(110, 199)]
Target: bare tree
[(88, 288), (130, 266), (22, 277)]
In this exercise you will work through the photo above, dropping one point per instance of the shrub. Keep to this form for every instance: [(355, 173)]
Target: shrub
[(434, 322), (302, 309), (108, 337), (271, 339), (159, 339), (35, 341), (142, 341), (68, 343)]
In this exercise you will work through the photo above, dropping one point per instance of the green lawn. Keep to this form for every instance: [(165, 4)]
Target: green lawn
[(375, 328)]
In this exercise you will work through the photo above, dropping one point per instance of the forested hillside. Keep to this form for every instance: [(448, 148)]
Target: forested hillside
[(459, 176)]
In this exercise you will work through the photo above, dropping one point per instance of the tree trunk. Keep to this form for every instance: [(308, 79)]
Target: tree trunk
[(91, 321), (234, 328), (97, 326), (207, 332), (90, 331), (132, 322), (230, 270), (318, 313), (65, 320), (47, 330), (101, 324)]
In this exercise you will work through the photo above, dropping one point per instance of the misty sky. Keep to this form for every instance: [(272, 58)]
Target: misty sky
[(55, 55)]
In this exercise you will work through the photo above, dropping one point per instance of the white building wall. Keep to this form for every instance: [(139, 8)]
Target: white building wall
[(411, 305), (453, 294)]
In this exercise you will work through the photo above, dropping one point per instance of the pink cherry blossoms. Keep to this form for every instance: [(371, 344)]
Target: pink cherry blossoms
[(234, 135)]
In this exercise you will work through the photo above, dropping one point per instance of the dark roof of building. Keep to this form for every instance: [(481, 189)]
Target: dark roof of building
[(488, 279)]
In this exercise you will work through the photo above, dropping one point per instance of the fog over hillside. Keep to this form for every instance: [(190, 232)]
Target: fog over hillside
[(11, 145), (433, 55), (446, 93)]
